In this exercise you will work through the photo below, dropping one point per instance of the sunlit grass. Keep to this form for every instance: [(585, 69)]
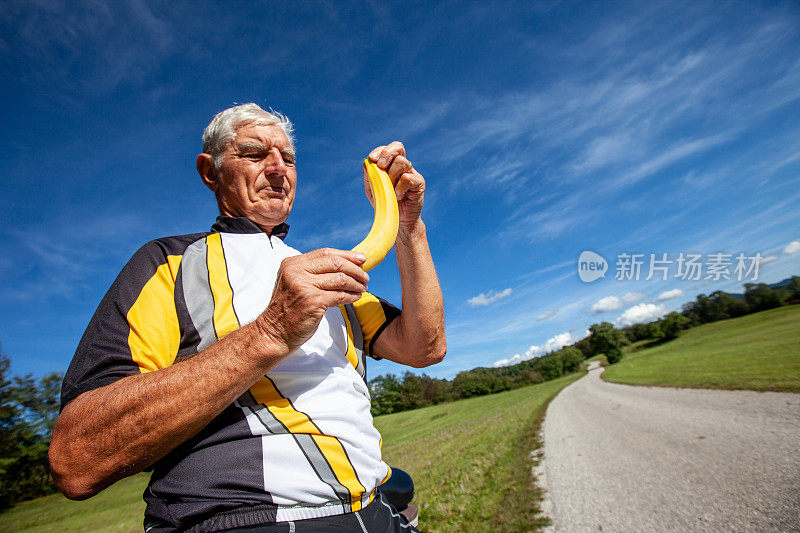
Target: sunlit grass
[(118, 508), (470, 459), (759, 352)]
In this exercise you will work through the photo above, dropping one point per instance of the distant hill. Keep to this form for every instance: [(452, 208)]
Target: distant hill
[(779, 285)]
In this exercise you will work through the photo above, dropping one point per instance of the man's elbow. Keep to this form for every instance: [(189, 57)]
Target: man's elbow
[(71, 480), (75, 491), (431, 355)]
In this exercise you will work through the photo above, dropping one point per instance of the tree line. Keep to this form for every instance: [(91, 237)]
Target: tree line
[(392, 394), (28, 411)]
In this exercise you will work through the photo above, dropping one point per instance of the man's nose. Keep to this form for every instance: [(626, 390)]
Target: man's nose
[(274, 162)]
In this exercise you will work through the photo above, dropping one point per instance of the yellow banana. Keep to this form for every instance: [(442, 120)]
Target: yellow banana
[(381, 237)]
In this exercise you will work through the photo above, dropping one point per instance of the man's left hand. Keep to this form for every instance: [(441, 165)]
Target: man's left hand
[(409, 185)]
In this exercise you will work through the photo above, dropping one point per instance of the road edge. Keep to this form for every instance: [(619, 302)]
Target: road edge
[(539, 469)]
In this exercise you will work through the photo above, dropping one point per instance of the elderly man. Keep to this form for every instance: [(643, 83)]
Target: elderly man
[(233, 366)]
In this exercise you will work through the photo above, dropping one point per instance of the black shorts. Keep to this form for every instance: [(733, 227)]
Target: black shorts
[(377, 517)]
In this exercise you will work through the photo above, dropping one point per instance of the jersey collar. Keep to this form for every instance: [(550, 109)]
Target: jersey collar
[(226, 224)]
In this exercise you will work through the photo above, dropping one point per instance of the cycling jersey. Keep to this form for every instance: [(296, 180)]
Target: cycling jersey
[(298, 444)]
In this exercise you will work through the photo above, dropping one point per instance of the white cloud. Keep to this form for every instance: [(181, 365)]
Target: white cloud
[(513, 360), (615, 303), (792, 248), (550, 313), (639, 314), (561, 340), (609, 303), (631, 297), (486, 298), (553, 343), (668, 295), (769, 259)]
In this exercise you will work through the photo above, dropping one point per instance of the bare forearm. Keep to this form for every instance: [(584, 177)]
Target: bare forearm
[(120, 429), (422, 317)]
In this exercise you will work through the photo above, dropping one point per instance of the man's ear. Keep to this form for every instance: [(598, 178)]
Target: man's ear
[(205, 167)]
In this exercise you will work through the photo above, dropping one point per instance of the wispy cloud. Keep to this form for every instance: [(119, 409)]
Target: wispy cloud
[(618, 122), (669, 295), (486, 298), (615, 303), (678, 151), (66, 265), (95, 44), (550, 313), (551, 345)]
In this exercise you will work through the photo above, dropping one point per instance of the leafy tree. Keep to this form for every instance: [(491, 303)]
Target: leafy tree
[(411, 392), (551, 366), (386, 395), (674, 323), (571, 359), (759, 297), (434, 390), (28, 410), (606, 339), (638, 332), (727, 305), (472, 383), (654, 330), (585, 346), (794, 289)]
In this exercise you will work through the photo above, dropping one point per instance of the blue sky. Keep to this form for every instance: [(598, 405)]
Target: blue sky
[(543, 130)]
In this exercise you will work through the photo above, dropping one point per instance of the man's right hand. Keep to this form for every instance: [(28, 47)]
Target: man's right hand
[(306, 286)]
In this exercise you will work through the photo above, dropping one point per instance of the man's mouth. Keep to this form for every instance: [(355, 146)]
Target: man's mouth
[(275, 190)]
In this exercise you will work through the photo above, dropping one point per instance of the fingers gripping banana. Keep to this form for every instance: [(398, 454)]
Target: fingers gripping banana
[(381, 237)]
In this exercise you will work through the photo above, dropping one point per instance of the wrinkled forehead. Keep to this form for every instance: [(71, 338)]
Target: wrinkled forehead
[(262, 133)]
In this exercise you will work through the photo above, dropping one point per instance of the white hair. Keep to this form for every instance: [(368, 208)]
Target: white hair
[(222, 128)]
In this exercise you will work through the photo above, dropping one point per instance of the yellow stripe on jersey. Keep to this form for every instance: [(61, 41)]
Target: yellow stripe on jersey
[(334, 453), (370, 315), (332, 450), (154, 336), (265, 393), (225, 320), (351, 348)]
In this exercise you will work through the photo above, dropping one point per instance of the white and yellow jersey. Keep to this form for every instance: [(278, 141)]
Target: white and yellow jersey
[(300, 443)]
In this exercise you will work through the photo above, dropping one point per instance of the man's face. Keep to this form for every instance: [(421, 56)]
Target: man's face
[(257, 176)]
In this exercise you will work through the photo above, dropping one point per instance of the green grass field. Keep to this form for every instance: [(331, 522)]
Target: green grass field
[(758, 352), (118, 508), (470, 461)]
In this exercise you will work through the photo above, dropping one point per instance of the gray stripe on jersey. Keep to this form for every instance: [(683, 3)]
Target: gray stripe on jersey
[(358, 340), (248, 402), (197, 292), (306, 443), (321, 466)]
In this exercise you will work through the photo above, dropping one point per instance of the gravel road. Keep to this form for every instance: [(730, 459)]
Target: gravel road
[(624, 458)]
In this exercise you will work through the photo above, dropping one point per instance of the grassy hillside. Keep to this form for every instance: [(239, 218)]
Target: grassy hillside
[(759, 352), (118, 508), (469, 460)]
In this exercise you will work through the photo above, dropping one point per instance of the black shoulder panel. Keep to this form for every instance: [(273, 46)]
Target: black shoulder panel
[(103, 355)]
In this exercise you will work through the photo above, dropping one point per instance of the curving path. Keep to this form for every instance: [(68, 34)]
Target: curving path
[(625, 458)]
